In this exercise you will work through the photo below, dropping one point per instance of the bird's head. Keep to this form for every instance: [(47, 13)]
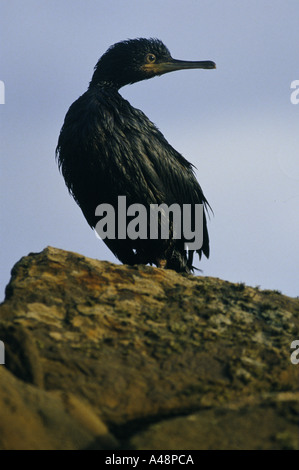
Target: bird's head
[(139, 59)]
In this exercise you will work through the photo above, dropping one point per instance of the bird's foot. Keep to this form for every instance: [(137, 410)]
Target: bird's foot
[(161, 263)]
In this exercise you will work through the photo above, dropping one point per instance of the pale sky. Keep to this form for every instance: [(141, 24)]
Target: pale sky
[(236, 124)]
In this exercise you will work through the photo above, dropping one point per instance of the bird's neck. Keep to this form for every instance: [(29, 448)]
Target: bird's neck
[(104, 79), (108, 84)]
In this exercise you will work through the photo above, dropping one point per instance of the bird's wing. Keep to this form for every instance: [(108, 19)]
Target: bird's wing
[(107, 148), (167, 174)]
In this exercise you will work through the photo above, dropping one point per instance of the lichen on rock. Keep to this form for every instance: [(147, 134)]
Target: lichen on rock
[(156, 357)]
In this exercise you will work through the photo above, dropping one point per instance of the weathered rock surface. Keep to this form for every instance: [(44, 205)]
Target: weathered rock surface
[(107, 356), (31, 418)]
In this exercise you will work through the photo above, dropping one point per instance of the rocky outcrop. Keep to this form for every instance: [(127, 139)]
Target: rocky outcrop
[(105, 356)]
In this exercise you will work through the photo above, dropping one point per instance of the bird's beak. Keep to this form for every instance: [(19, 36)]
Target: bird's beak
[(159, 68)]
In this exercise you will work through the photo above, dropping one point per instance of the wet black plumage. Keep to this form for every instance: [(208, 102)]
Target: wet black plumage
[(107, 148)]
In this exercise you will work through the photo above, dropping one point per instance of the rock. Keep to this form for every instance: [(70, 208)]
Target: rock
[(243, 426), (159, 358), (32, 419)]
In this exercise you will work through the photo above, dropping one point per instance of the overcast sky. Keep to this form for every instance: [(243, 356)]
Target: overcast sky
[(236, 124)]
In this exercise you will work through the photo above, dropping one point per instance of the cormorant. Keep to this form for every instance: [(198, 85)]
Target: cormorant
[(107, 148)]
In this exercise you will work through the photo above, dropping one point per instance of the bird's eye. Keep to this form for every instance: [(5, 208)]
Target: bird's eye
[(150, 58)]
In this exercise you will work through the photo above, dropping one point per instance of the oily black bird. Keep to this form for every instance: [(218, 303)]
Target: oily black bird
[(107, 148)]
